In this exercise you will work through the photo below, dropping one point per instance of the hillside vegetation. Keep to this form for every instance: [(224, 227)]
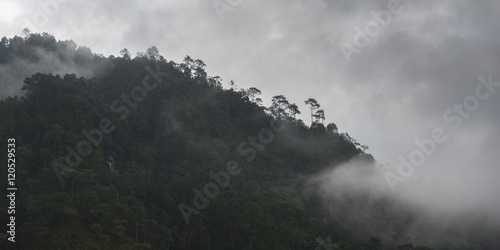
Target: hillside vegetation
[(145, 153)]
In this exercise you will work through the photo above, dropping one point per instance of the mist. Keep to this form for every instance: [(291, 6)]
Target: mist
[(69, 58), (422, 63), (421, 210)]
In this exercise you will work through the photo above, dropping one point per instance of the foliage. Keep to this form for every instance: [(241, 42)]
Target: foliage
[(125, 193)]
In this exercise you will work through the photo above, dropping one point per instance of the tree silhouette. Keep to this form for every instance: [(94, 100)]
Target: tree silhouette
[(293, 110), (125, 54), (279, 106), (313, 104), (319, 116), (252, 93)]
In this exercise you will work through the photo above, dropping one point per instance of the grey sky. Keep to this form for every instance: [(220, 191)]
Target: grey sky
[(394, 91)]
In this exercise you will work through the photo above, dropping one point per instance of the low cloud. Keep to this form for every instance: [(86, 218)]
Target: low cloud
[(71, 60), (435, 212)]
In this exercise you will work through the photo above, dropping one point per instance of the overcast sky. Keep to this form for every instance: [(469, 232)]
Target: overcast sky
[(386, 91)]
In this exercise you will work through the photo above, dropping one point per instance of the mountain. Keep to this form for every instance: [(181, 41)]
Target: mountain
[(145, 153)]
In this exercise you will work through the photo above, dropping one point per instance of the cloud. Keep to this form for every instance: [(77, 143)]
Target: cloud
[(435, 212), (64, 61)]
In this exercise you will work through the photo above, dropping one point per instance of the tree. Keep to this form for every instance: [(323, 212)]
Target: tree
[(313, 106), (186, 66), (215, 81), (258, 101), (279, 106), (294, 110), (252, 93), (4, 50), (331, 127), (319, 116), (125, 54), (83, 55), (232, 85), (198, 68), (153, 54), (26, 33)]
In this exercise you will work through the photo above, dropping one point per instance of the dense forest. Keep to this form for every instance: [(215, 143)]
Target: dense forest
[(145, 153)]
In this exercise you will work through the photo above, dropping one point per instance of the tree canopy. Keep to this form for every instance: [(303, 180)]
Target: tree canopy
[(167, 139)]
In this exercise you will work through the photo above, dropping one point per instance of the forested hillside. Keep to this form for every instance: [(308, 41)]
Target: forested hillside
[(145, 153)]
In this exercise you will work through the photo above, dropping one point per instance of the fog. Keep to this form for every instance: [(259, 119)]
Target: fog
[(397, 89), (392, 92), (435, 212), (73, 59)]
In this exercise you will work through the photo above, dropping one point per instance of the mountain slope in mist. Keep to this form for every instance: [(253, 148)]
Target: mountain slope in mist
[(21, 57), (150, 154), (145, 153)]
